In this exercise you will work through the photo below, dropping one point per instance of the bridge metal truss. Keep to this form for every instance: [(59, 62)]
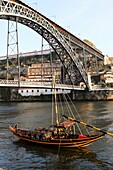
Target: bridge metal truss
[(12, 45), (64, 44)]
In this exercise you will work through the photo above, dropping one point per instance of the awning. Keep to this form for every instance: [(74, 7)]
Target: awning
[(66, 123)]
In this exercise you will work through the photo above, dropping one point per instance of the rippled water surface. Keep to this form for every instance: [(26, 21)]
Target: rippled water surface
[(17, 155)]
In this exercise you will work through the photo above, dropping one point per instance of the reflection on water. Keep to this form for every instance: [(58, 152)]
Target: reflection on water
[(16, 155)]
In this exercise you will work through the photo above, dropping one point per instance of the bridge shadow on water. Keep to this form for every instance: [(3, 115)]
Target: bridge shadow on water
[(61, 158)]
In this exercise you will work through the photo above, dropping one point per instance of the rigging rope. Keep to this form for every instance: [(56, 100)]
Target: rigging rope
[(70, 110), (71, 113), (77, 112)]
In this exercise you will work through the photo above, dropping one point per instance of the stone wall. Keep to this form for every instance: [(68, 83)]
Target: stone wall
[(93, 95), (11, 94)]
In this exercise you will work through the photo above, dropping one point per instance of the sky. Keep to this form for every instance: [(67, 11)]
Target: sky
[(86, 19)]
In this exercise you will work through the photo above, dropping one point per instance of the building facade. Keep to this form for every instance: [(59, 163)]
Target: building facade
[(44, 72)]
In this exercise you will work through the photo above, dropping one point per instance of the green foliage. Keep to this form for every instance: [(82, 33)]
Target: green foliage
[(109, 84)]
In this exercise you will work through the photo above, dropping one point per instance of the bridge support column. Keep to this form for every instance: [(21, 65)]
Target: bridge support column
[(89, 81), (73, 95), (12, 46)]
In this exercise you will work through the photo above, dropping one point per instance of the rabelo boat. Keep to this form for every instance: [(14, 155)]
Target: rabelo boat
[(65, 132)]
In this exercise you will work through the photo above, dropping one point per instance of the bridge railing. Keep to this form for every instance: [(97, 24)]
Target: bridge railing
[(31, 84), (8, 82)]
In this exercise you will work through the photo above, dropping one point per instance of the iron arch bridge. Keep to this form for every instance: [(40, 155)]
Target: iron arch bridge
[(71, 50)]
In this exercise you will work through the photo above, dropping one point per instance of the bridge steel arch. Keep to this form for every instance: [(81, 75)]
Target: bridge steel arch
[(18, 11)]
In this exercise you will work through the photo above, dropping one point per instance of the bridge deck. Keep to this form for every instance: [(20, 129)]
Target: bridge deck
[(31, 84)]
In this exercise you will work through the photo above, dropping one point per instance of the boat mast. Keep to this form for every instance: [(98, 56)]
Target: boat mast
[(56, 108)]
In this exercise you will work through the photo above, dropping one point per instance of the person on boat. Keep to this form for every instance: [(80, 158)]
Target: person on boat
[(16, 127), (48, 135), (61, 132)]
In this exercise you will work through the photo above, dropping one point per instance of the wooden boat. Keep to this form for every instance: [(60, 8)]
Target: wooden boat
[(61, 134), (47, 137)]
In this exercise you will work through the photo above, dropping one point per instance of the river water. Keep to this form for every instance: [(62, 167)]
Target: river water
[(16, 155)]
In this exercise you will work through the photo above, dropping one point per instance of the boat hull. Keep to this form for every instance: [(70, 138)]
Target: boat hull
[(64, 143)]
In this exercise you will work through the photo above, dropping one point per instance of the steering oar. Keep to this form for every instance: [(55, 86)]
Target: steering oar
[(93, 127)]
